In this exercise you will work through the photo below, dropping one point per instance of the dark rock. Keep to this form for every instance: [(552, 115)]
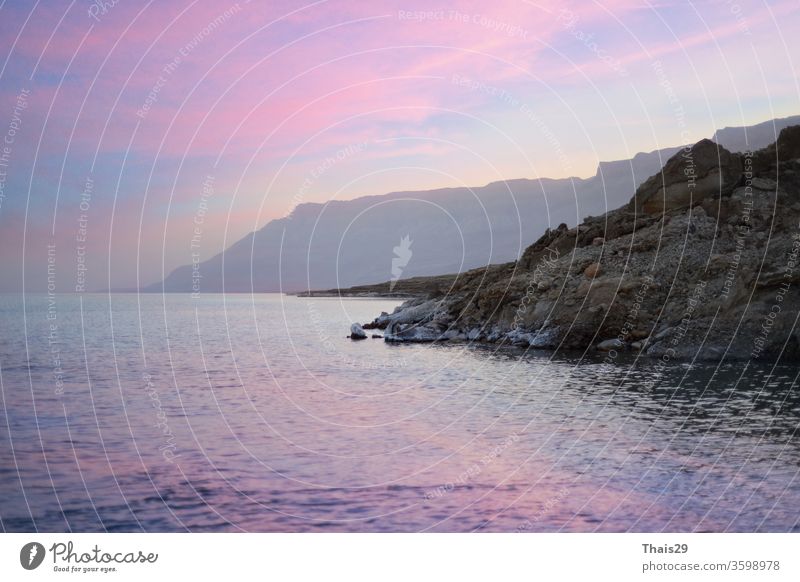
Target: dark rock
[(610, 344), (357, 332), (788, 144), (412, 333), (378, 323), (693, 174)]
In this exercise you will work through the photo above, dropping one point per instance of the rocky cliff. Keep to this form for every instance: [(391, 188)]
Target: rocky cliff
[(702, 262)]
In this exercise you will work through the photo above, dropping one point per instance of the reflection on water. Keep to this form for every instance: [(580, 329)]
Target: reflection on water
[(255, 413)]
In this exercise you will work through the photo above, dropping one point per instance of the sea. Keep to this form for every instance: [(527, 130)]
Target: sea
[(256, 412)]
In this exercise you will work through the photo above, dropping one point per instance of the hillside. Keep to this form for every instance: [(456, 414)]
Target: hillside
[(701, 262)]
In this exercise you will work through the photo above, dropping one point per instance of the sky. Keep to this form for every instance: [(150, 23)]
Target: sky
[(132, 129)]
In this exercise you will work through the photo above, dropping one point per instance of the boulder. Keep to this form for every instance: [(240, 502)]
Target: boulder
[(610, 344), (379, 322), (546, 337), (705, 170), (357, 332), (412, 333), (592, 270)]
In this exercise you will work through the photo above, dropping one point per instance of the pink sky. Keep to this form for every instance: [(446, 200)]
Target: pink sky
[(259, 95)]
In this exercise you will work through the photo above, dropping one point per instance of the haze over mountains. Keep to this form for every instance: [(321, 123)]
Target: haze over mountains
[(344, 243)]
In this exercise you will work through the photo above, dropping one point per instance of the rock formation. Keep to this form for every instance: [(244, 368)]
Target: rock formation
[(691, 175), (703, 262), (357, 332)]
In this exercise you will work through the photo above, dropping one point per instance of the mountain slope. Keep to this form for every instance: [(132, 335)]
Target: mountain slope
[(703, 261), (346, 243)]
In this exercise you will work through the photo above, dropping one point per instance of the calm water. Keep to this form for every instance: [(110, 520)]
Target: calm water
[(255, 413)]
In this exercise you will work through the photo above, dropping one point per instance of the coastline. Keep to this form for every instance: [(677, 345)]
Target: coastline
[(699, 265)]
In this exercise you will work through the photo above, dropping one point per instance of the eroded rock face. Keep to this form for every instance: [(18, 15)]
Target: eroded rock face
[(782, 157), (788, 144), (692, 280), (706, 170)]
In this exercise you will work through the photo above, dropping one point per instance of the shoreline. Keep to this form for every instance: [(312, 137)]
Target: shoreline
[(699, 265)]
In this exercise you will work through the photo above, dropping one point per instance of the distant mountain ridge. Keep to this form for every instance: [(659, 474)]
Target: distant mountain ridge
[(753, 137), (346, 243)]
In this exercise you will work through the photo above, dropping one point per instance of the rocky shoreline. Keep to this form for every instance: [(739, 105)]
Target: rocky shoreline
[(702, 263), (400, 289)]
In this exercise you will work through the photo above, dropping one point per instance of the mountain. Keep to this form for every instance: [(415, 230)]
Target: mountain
[(703, 262), (753, 137), (347, 243)]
